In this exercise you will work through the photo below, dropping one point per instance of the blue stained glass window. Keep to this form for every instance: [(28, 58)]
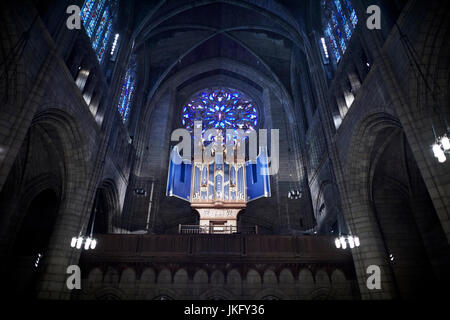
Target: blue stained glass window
[(97, 18), (354, 18), (340, 24), (94, 16), (105, 42), (352, 12), (332, 40), (127, 94), (337, 3), (348, 31), (101, 28), (86, 10), (220, 108), (342, 43)]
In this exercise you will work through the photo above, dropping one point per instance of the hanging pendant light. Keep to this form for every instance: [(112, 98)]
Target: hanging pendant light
[(439, 148), (337, 243), (74, 242), (88, 242), (79, 242), (294, 194), (357, 243), (347, 240), (445, 142)]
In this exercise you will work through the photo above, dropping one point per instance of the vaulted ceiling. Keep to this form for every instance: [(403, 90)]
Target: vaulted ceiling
[(173, 34)]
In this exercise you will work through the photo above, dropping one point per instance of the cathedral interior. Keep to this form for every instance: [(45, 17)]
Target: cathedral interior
[(225, 149)]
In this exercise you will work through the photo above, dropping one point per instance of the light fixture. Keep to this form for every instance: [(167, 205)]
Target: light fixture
[(440, 147), (391, 257), (116, 38), (140, 192), (324, 47), (87, 242), (38, 259), (347, 240), (84, 242), (445, 143), (337, 243), (79, 242), (294, 194), (351, 242)]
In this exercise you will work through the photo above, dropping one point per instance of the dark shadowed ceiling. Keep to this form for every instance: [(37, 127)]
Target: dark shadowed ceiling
[(173, 34)]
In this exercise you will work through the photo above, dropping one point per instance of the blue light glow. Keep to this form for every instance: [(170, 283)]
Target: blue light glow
[(221, 109)]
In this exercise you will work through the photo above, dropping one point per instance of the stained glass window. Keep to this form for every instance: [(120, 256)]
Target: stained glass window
[(100, 29), (220, 108), (94, 17), (105, 42), (127, 93), (97, 16), (340, 20), (333, 44), (86, 10)]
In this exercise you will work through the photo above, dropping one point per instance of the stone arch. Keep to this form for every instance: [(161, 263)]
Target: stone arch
[(95, 278), (111, 277), (372, 139), (253, 278), (158, 116), (234, 278), (200, 277), (69, 181), (405, 214), (272, 11), (305, 282), (147, 276), (145, 283), (164, 277), (417, 113), (212, 64), (181, 278), (286, 277), (201, 68), (270, 278), (107, 206), (127, 278), (217, 278), (32, 241), (322, 279), (341, 285), (359, 216)]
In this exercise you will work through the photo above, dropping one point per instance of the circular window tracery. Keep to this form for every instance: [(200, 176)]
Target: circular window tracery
[(221, 108)]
